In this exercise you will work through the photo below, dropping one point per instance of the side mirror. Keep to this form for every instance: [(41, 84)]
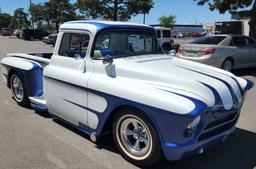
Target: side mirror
[(172, 53), (107, 60)]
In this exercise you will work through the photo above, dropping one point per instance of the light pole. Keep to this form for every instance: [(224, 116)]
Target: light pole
[(32, 22)]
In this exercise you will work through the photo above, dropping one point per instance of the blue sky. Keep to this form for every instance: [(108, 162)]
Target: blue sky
[(186, 11)]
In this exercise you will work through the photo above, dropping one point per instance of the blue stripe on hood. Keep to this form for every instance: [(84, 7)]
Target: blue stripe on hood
[(231, 90)]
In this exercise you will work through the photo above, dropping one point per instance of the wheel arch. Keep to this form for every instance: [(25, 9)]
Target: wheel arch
[(110, 119), (33, 83), (229, 58), (10, 73)]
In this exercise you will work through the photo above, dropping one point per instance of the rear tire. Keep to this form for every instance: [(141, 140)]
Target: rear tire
[(136, 138), (18, 90), (227, 65)]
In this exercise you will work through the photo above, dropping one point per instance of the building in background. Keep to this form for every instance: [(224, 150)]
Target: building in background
[(185, 28)]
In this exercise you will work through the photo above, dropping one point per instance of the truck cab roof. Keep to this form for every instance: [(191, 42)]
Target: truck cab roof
[(96, 26)]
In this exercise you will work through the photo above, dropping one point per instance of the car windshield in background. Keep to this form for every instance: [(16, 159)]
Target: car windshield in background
[(209, 40), (125, 43)]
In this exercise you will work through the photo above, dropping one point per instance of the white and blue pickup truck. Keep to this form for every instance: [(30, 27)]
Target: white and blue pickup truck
[(113, 76)]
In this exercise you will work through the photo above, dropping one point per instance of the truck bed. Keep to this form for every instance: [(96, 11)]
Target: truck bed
[(42, 58)]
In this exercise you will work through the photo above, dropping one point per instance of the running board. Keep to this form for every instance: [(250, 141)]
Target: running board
[(39, 103)]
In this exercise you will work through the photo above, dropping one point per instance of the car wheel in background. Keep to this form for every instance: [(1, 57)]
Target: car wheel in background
[(167, 47), (18, 90), (227, 65), (136, 138)]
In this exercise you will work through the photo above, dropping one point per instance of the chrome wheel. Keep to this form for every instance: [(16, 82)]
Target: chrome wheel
[(227, 65), (134, 137), (17, 88)]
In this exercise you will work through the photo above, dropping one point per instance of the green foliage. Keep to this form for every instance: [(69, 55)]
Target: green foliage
[(5, 20), (21, 18), (167, 21), (13, 23), (238, 7), (114, 9), (223, 6), (53, 12), (37, 11)]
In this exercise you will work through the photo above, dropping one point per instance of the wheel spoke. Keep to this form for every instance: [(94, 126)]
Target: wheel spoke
[(15, 86), (137, 144), (135, 125), (129, 132), (144, 140), (143, 131)]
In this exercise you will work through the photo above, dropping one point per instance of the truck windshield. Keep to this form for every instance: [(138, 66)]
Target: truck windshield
[(122, 43)]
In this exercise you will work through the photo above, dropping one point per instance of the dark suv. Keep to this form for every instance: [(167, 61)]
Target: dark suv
[(31, 34)]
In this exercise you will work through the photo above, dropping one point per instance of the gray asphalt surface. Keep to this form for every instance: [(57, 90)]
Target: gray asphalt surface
[(33, 140)]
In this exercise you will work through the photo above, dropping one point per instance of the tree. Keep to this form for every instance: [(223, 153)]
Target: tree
[(21, 18), (38, 12), (53, 13), (143, 7), (40, 17), (5, 20), (114, 9), (59, 11), (13, 23), (238, 7), (167, 21)]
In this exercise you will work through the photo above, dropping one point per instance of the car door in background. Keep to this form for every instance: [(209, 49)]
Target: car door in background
[(252, 46), (240, 52)]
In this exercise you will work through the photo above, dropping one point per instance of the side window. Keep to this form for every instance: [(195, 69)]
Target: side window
[(239, 41), (140, 43), (166, 34), (74, 45), (158, 33), (102, 42)]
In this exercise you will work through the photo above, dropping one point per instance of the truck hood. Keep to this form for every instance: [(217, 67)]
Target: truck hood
[(213, 86)]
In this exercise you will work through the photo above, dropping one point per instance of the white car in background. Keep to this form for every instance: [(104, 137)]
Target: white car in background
[(178, 35)]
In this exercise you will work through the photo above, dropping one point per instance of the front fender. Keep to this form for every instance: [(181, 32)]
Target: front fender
[(169, 112)]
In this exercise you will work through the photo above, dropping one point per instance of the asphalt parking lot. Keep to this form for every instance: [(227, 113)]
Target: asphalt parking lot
[(33, 140)]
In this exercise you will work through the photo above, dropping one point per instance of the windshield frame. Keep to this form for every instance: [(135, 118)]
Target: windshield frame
[(129, 30)]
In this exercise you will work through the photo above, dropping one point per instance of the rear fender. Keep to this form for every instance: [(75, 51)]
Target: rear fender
[(29, 71)]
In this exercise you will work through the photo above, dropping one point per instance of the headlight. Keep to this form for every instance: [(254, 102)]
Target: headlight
[(194, 123), (191, 127)]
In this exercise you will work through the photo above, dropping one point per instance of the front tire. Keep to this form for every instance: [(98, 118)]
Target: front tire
[(136, 138), (18, 90)]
